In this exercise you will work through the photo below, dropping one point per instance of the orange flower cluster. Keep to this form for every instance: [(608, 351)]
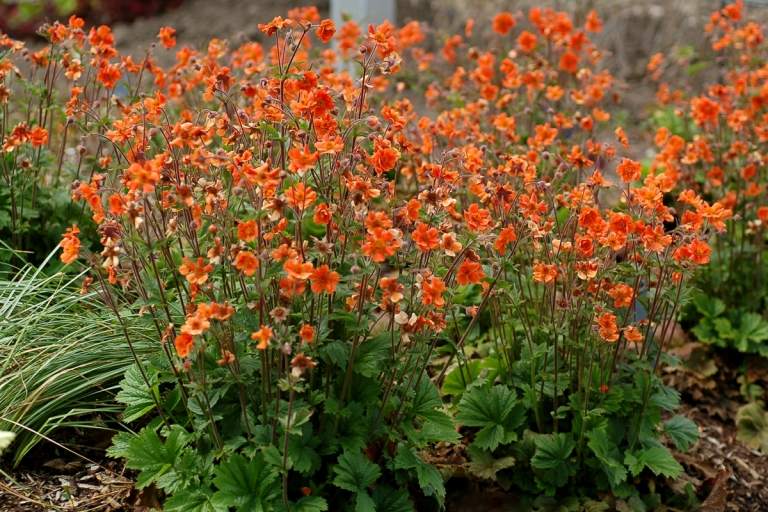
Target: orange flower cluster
[(275, 182)]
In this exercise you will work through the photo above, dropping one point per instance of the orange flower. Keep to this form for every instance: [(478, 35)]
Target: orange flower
[(297, 269), (392, 289), (607, 328), (477, 219), (325, 31), (526, 41), (698, 251), (380, 244), (70, 244), (323, 279), (247, 231), (503, 22), (470, 272), (307, 333), (425, 237), (569, 62), (195, 272), (302, 159), (300, 196), (246, 262), (622, 295), (432, 290), (633, 334), (384, 156), (322, 214), (628, 170), (506, 236), (167, 36), (544, 273), (704, 111), (38, 136), (183, 344), (263, 335), (143, 177)]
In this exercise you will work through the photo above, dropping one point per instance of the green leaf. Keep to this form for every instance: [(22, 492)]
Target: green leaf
[(355, 473), (134, 393), (387, 499), (430, 480), (457, 380), (752, 426), (682, 431), (708, 306), (495, 410), (147, 453), (552, 460), (427, 408), (657, 458), (608, 455), (193, 501), (247, 485), (310, 504), (724, 329), (371, 354), (484, 465), (752, 329)]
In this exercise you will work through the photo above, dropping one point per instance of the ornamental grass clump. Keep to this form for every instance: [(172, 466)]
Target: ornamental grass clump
[(319, 257)]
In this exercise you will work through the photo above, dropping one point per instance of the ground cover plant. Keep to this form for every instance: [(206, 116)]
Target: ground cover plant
[(346, 256)]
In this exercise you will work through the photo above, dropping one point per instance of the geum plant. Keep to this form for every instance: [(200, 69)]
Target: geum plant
[(718, 150), (306, 249), (247, 203), (582, 276)]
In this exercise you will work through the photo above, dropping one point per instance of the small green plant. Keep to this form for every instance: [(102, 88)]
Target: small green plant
[(602, 448)]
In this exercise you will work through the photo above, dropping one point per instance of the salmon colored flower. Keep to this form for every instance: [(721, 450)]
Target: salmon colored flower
[(477, 219), (380, 244), (324, 279), (297, 269), (469, 272), (633, 334), (607, 328), (326, 30), (307, 333), (247, 231), (544, 273), (622, 295), (503, 22), (432, 289), (302, 159), (183, 343), (196, 272), (70, 244), (247, 263), (167, 36), (384, 156), (300, 196), (263, 335), (628, 170), (426, 237), (506, 236)]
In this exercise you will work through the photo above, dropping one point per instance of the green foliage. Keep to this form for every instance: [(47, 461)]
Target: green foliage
[(752, 425), (496, 411), (682, 431), (355, 473), (552, 460), (746, 331), (657, 459)]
